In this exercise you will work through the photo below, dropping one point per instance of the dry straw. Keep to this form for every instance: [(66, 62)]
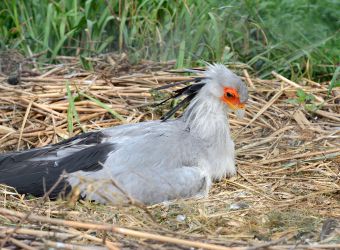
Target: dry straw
[(288, 158)]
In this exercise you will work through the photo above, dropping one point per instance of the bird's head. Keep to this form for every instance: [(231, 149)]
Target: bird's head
[(217, 82), (227, 87)]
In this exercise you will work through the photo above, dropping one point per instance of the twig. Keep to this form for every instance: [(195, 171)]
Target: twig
[(24, 123), (50, 234), (67, 246), (21, 244), (248, 79), (282, 78), (298, 156), (262, 110), (111, 228), (26, 216), (313, 246), (267, 244)]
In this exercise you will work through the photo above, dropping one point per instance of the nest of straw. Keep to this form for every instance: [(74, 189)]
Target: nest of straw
[(286, 193)]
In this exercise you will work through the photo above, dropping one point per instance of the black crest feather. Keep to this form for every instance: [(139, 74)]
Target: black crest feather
[(189, 91)]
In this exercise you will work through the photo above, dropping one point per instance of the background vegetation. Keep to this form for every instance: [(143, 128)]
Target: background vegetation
[(294, 37)]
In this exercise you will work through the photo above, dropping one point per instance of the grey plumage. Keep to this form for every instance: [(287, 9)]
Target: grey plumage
[(150, 161)]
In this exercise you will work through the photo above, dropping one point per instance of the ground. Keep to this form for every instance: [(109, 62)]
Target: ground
[(286, 193)]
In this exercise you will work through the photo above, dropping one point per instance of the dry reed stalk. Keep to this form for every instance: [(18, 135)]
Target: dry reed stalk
[(111, 228), (278, 76), (287, 157)]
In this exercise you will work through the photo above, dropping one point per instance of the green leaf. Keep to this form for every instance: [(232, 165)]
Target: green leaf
[(70, 110), (311, 107), (301, 94), (180, 59), (292, 101), (104, 106), (86, 63), (335, 82), (304, 97)]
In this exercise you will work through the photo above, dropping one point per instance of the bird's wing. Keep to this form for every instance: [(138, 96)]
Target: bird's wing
[(149, 185), (158, 162), (35, 171)]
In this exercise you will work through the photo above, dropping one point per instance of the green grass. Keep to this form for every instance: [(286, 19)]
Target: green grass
[(293, 37), (72, 113)]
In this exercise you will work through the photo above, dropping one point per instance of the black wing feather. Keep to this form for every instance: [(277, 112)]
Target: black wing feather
[(29, 172)]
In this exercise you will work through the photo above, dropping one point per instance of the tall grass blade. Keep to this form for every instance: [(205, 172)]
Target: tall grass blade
[(335, 82), (104, 106), (70, 110)]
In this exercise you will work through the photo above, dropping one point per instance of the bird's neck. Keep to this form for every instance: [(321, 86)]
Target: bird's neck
[(207, 118)]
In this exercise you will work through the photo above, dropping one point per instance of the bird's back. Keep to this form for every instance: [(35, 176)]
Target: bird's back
[(141, 158), (152, 162)]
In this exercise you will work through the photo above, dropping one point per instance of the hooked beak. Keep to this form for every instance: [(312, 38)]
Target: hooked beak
[(239, 109), (240, 113)]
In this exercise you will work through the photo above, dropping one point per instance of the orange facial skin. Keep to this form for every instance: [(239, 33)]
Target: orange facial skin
[(232, 99)]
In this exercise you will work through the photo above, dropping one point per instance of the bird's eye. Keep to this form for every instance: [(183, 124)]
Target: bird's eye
[(229, 95)]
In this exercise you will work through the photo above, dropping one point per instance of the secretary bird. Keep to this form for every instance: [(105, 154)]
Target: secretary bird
[(152, 161)]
